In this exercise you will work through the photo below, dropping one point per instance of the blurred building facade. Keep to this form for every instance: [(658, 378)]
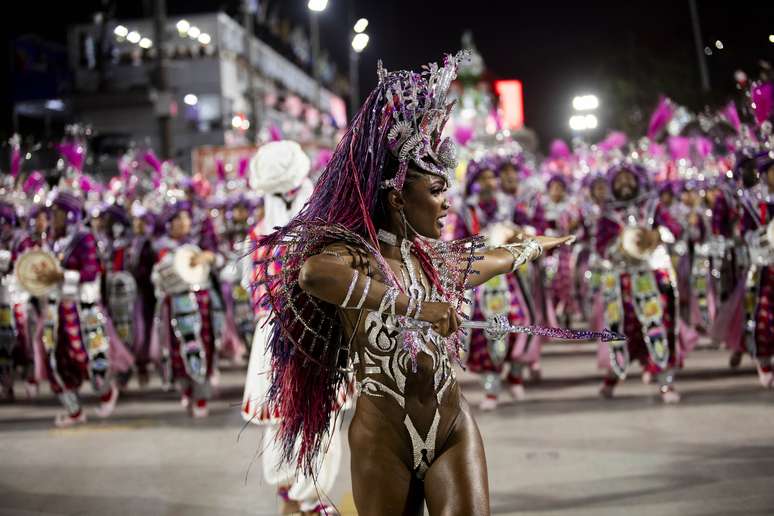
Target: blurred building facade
[(208, 97)]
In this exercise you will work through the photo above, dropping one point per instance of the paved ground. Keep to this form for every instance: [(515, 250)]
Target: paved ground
[(561, 452)]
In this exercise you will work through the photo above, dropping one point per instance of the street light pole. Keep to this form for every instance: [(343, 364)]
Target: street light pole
[(163, 98), (247, 21), (697, 39), (354, 78), (315, 29)]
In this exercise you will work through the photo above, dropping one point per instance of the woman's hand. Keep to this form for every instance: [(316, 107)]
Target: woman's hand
[(441, 316), (205, 257), (549, 242)]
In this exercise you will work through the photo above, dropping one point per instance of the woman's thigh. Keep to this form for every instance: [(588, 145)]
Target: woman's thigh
[(457, 481)]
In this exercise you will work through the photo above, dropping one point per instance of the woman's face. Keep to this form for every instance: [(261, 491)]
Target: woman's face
[(425, 204), (180, 226)]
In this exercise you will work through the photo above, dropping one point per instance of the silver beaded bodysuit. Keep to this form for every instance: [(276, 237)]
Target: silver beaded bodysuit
[(384, 365)]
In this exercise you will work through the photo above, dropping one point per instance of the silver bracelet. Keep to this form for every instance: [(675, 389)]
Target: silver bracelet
[(365, 293), (527, 251), (351, 288)]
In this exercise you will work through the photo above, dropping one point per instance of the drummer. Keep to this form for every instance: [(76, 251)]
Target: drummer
[(139, 261), (15, 349), (183, 327), (76, 333), (758, 219), (638, 296), (113, 235)]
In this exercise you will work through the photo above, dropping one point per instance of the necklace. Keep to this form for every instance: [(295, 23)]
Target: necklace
[(387, 237)]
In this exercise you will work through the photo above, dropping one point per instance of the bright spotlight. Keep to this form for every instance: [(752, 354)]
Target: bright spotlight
[(183, 26), (194, 32), (191, 99), (583, 122), (134, 37), (361, 25), (121, 31), (585, 102), (146, 43), (719, 44), (317, 5), (359, 42), (204, 38)]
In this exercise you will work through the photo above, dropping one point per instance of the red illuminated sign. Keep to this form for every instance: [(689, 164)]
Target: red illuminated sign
[(511, 103)]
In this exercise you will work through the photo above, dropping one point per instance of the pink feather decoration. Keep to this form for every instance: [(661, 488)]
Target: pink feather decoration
[(614, 140), (153, 160), (244, 163), (220, 169), (463, 134), (679, 147), (74, 153), (762, 101), (703, 146), (732, 115), (275, 134), (33, 183), (15, 161), (660, 117), (559, 149)]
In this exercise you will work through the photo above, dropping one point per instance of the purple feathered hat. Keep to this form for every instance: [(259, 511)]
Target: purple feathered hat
[(558, 178), (69, 202), (640, 174), (173, 208), (477, 167)]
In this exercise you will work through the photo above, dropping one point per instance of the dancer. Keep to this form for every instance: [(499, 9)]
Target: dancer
[(360, 267)]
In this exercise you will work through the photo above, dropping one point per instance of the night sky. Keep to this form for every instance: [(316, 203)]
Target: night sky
[(626, 52)]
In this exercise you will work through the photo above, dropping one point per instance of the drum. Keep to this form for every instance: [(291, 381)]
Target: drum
[(191, 274), (762, 245), (177, 275), (26, 271), (629, 245)]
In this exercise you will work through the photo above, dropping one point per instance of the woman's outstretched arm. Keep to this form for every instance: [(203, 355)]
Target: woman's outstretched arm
[(500, 261)]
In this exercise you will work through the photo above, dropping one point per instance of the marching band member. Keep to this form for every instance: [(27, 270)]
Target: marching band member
[(491, 212), (76, 334), (183, 325), (638, 295)]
